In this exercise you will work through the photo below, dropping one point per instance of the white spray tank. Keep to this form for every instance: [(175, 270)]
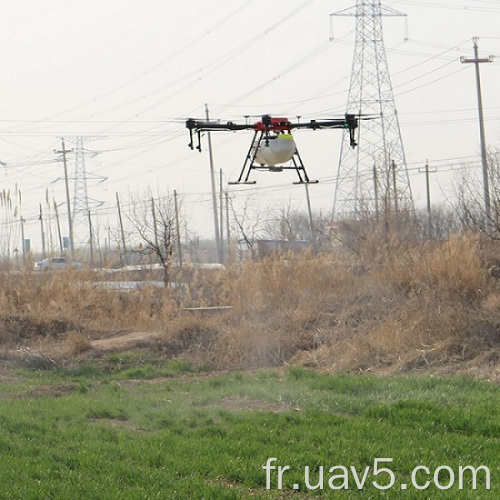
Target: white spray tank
[(276, 149)]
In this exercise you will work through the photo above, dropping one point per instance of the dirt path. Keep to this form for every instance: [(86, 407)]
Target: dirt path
[(51, 353), (124, 342)]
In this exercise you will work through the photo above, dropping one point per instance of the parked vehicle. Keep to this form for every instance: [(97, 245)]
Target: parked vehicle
[(54, 263)]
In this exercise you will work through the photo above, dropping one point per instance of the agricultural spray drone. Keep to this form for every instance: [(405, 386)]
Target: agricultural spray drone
[(272, 144)]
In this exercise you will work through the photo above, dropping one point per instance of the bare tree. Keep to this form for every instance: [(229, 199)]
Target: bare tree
[(289, 224), (293, 225), (154, 223), (439, 224), (248, 221), (470, 197)]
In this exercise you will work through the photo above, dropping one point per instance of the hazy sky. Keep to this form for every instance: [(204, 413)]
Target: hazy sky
[(125, 75)]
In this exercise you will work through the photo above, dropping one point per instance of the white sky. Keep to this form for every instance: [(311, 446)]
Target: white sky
[(126, 74)]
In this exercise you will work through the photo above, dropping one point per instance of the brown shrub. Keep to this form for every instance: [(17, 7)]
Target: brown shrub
[(76, 343), (400, 306)]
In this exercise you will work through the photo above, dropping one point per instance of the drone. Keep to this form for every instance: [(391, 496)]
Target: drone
[(272, 145)]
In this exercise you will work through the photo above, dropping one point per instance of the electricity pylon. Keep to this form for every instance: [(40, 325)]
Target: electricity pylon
[(81, 201), (80, 197), (372, 177)]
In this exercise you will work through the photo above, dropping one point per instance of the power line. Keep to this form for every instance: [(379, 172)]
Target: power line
[(197, 39), (439, 5)]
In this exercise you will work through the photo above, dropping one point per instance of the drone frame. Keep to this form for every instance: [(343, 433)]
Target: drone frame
[(262, 132)]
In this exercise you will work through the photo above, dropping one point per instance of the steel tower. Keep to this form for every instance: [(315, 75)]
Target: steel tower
[(80, 198), (82, 203), (372, 177)]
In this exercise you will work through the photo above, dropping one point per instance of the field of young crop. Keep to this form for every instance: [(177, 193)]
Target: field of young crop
[(168, 430)]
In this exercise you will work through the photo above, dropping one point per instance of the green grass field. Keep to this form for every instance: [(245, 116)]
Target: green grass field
[(164, 431)]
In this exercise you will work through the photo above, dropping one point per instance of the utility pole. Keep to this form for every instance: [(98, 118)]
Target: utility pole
[(311, 223), (122, 230), (178, 230), (68, 200), (43, 232), (155, 223), (91, 241), (428, 191), (214, 191), (221, 212), (476, 60), (22, 221), (22, 238), (375, 190), (228, 228), (58, 227)]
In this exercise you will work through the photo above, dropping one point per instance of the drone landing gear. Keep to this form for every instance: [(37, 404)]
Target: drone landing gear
[(298, 166), (250, 164)]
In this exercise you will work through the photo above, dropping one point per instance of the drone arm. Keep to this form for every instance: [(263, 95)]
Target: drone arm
[(203, 126), (315, 124), (198, 126), (350, 122), (269, 124)]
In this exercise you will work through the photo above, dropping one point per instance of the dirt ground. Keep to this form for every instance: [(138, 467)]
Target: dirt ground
[(76, 347)]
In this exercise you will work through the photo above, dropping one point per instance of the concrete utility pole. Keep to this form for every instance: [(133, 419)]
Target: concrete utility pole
[(68, 199), (177, 229), (375, 190), (476, 60), (124, 247), (58, 227), (22, 221), (214, 191), (40, 218), (311, 222), (221, 214), (155, 223), (91, 241), (228, 228), (428, 191), (22, 238)]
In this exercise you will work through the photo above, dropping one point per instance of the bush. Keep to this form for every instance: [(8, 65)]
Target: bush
[(396, 305)]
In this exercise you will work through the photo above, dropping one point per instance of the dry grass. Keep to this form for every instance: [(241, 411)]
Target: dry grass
[(407, 307), (77, 343)]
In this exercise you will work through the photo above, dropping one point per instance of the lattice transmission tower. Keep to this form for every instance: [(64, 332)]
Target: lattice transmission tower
[(373, 177), (82, 203)]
